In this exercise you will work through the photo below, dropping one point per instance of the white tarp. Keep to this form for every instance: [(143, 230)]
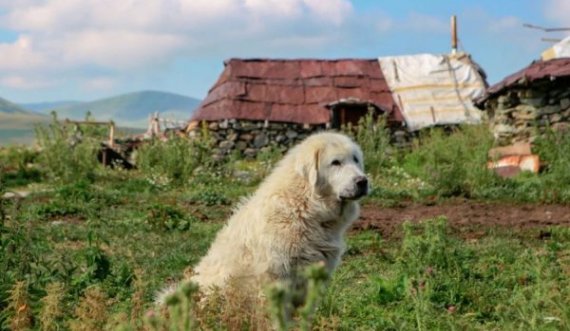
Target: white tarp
[(560, 49), (434, 89)]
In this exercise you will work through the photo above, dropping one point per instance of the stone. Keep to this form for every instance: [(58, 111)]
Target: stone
[(502, 128), (535, 102), (260, 140), (555, 118), (250, 152), (248, 126), (241, 145), (291, 134), (246, 137), (551, 109), (565, 103), (505, 111), (525, 116), (265, 149), (561, 126), (280, 138), (226, 144), (233, 136), (236, 125), (213, 126), (224, 124), (525, 108)]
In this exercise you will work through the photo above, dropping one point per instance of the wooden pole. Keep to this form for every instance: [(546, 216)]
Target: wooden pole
[(112, 135), (453, 34)]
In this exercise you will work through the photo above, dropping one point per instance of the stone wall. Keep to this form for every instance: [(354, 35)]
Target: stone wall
[(252, 137), (521, 114)]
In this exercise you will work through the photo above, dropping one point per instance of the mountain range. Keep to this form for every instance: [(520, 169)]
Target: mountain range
[(126, 110), (129, 110)]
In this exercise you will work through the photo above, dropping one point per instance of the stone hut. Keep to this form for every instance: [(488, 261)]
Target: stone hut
[(261, 103), (257, 104), (527, 103)]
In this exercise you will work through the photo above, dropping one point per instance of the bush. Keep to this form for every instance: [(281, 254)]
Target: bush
[(173, 161), (374, 139), (67, 154), (454, 164)]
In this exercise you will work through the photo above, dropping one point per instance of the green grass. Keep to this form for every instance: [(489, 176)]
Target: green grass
[(90, 246)]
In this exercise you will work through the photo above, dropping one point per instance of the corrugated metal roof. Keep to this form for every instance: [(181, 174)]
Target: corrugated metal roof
[(556, 68), (294, 91)]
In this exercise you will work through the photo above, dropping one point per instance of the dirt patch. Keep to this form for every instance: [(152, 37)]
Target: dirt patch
[(465, 216)]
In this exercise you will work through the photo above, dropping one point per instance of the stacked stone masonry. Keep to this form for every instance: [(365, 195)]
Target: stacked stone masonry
[(521, 114), (252, 137)]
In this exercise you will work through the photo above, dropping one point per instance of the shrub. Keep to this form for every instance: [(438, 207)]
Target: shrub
[(374, 138), (166, 218), (67, 154), (454, 164), (173, 161)]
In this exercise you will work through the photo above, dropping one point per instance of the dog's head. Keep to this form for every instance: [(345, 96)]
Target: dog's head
[(333, 165)]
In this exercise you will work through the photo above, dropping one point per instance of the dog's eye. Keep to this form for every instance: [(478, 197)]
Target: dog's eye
[(355, 159), (335, 163)]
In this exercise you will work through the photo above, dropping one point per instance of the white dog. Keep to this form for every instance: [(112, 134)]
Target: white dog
[(297, 217)]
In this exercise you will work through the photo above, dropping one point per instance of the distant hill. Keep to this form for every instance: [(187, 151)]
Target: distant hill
[(17, 124), (133, 109), (47, 107), (10, 107)]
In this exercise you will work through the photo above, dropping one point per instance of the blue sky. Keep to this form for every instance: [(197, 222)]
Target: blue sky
[(88, 49)]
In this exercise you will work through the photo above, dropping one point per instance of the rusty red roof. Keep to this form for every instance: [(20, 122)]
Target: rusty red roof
[(538, 70), (294, 91)]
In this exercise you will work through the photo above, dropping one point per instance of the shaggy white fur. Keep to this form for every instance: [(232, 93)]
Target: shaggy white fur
[(297, 217)]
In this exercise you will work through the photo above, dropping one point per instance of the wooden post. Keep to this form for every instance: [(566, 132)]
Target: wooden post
[(112, 135), (453, 34)]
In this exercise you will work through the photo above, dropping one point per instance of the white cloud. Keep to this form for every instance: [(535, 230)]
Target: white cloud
[(558, 11), (24, 83), (100, 83), (58, 36)]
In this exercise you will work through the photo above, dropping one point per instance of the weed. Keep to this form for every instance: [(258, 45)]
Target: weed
[(18, 311), (174, 161), (91, 313), (52, 307), (166, 217)]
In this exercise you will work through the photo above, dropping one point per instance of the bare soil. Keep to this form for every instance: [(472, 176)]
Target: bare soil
[(469, 218)]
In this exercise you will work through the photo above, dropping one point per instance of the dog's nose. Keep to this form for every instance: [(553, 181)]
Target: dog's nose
[(361, 183)]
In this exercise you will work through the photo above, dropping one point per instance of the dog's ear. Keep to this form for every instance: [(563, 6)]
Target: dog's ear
[(308, 165)]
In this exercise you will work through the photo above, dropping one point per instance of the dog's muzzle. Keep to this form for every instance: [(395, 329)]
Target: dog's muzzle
[(360, 189)]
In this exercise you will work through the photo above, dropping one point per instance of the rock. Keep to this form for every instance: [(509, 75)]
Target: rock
[(246, 137), (534, 102), (502, 128), (551, 109), (224, 124), (555, 118), (213, 126), (280, 138), (561, 126), (236, 125), (233, 136), (291, 134), (505, 100), (250, 152), (260, 140), (266, 149), (226, 145), (241, 145), (565, 103)]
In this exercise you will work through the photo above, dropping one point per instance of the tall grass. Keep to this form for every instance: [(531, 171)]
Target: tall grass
[(68, 153), (174, 161)]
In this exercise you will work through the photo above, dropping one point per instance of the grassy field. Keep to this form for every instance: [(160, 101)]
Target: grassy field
[(89, 247)]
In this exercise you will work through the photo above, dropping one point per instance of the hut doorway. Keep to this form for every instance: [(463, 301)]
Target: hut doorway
[(344, 112)]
